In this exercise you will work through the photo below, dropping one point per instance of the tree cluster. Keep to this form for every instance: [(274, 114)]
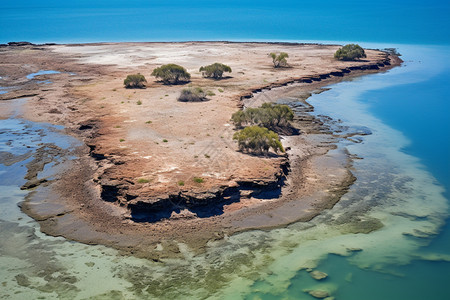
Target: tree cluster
[(350, 52), (257, 122), (271, 116), (258, 139), (215, 70), (175, 74), (135, 81), (171, 74)]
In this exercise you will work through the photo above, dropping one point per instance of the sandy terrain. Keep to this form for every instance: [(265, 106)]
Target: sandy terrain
[(144, 148)]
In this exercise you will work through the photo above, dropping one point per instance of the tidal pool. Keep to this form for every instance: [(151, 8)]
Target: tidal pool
[(42, 72)]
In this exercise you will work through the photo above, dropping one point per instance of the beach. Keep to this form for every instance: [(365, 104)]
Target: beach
[(134, 155)]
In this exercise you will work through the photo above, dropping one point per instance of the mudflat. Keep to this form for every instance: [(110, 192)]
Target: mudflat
[(154, 172)]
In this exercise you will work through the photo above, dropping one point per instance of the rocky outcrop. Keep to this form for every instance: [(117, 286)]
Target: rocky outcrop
[(153, 208), (202, 203), (318, 275)]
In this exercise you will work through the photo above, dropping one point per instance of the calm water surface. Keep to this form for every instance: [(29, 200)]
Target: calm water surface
[(400, 21)]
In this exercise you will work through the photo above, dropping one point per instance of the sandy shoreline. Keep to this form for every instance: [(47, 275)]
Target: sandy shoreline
[(88, 98)]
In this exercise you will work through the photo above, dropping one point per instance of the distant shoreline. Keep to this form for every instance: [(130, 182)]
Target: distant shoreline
[(288, 43)]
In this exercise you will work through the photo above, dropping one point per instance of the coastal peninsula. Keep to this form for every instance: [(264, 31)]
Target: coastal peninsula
[(154, 172)]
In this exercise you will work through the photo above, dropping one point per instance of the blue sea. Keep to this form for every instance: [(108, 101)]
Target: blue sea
[(403, 178), (412, 22)]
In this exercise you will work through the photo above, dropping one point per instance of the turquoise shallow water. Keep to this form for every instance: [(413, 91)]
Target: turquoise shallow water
[(403, 178)]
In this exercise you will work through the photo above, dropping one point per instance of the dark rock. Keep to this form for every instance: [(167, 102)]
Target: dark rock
[(354, 68), (20, 44), (54, 111), (85, 127), (110, 192), (88, 124), (337, 74), (32, 183)]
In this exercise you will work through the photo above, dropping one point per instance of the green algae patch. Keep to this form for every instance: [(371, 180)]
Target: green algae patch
[(362, 226)]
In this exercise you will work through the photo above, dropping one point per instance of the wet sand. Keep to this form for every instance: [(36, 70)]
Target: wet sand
[(88, 98)]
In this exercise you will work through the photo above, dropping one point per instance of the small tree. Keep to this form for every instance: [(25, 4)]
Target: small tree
[(280, 114), (215, 70), (350, 52), (135, 81), (192, 95), (171, 74), (239, 118), (279, 61), (258, 139), (269, 115)]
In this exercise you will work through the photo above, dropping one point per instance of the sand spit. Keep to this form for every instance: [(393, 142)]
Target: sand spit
[(133, 185)]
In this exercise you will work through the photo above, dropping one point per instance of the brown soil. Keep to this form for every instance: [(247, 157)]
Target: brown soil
[(142, 159)]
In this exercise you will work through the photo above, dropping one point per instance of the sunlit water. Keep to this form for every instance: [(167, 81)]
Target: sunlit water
[(41, 72), (401, 21), (396, 195)]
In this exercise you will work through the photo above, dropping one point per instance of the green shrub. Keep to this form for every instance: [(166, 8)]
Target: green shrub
[(215, 70), (279, 61), (181, 183), (350, 52), (198, 180), (135, 81), (268, 115), (143, 180), (258, 139), (171, 74), (192, 95)]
